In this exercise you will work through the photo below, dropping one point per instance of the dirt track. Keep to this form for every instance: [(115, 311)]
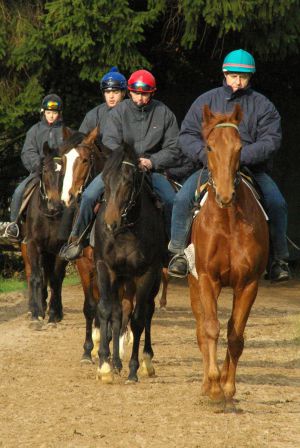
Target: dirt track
[(47, 399)]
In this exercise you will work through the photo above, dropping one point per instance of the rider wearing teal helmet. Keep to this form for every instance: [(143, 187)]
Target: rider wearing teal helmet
[(260, 131)]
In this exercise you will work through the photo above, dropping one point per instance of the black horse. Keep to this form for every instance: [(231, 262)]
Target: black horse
[(40, 253), (129, 250)]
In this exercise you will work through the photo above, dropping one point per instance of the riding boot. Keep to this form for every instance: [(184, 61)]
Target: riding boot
[(178, 266), (73, 249), (279, 271)]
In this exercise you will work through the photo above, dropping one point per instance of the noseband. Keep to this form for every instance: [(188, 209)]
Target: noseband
[(237, 178)]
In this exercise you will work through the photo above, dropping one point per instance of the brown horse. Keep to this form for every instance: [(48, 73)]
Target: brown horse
[(230, 238)]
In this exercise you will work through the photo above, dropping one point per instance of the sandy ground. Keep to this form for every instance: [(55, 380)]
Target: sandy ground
[(48, 399)]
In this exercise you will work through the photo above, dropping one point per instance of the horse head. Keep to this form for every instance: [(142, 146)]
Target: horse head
[(82, 160), (51, 180), (223, 146), (122, 181)]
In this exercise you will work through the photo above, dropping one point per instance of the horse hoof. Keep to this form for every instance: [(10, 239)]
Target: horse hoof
[(51, 325), (147, 368), (105, 374), (36, 325), (85, 360), (131, 380)]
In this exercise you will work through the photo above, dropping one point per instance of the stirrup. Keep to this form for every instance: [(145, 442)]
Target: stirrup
[(177, 272), (71, 251)]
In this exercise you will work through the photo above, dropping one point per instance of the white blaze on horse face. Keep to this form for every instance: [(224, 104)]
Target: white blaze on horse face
[(57, 167), (68, 178)]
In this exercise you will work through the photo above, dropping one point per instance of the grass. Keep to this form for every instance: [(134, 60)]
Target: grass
[(14, 285)]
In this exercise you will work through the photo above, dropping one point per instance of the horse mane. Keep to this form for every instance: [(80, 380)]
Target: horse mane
[(72, 141), (114, 161)]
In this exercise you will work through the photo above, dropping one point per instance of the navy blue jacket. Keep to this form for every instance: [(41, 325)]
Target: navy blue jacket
[(152, 130), (41, 132), (260, 129)]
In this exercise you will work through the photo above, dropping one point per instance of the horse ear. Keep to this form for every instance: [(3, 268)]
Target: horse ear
[(105, 151), (66, 132), (46, 149), (92, 135), (207, 114), (237, 114)]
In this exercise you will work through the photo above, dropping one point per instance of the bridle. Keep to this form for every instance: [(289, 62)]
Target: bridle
[(44, 195), (237, 178), (89, 175), (138, 182)]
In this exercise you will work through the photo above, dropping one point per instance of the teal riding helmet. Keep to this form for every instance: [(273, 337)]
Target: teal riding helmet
[(239, 61)]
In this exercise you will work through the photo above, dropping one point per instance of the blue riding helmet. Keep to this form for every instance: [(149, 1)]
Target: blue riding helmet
[(239, 61), (52, 102), (113, 80)]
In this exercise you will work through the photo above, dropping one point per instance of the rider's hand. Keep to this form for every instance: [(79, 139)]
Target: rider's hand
[(145, 164)]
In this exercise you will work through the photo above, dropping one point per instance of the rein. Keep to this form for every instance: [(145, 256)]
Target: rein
[(135, 193)]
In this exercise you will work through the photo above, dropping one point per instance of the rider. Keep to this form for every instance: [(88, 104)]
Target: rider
[(48, 129), (152, 129), (260, 132), (113, 87)]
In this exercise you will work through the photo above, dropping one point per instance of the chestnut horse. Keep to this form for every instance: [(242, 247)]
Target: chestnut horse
[(231, 243), (129, 253)]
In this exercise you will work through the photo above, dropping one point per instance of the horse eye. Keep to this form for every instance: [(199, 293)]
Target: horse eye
[(208, 148)]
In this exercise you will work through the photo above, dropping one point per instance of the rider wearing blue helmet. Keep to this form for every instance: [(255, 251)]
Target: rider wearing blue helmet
[(260, 132), (113, 86)]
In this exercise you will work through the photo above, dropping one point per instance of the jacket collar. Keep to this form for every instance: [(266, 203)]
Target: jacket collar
[(231, 95)]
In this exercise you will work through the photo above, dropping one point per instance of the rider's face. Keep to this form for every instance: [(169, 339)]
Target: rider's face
[(237, 80), (51, 116), (140, 98), (113, 97)]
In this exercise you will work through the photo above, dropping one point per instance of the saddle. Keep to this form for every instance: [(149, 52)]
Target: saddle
[(30, 188)]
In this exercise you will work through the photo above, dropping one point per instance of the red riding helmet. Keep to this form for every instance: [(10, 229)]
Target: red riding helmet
[(142, 81)]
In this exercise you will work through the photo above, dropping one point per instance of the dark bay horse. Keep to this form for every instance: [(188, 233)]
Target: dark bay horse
[(231, 242), (129, 250), (40, 253), (82, 161)]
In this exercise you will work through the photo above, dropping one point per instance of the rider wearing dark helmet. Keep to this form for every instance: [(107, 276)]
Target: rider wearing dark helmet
[(48, 129), (152, 129), (260, 131)]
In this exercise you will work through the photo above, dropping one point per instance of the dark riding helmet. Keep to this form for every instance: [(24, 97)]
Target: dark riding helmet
[(142, 81), (52, 102), (113, 80)]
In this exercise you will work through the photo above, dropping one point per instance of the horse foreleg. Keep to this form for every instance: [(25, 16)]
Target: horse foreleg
[(86, 270), (164, 282), (127, 308), (104, 313), (147, 368), (201, 339), (209, 291), (56, 269), (244, 298), (144, 306), (36, 282)]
